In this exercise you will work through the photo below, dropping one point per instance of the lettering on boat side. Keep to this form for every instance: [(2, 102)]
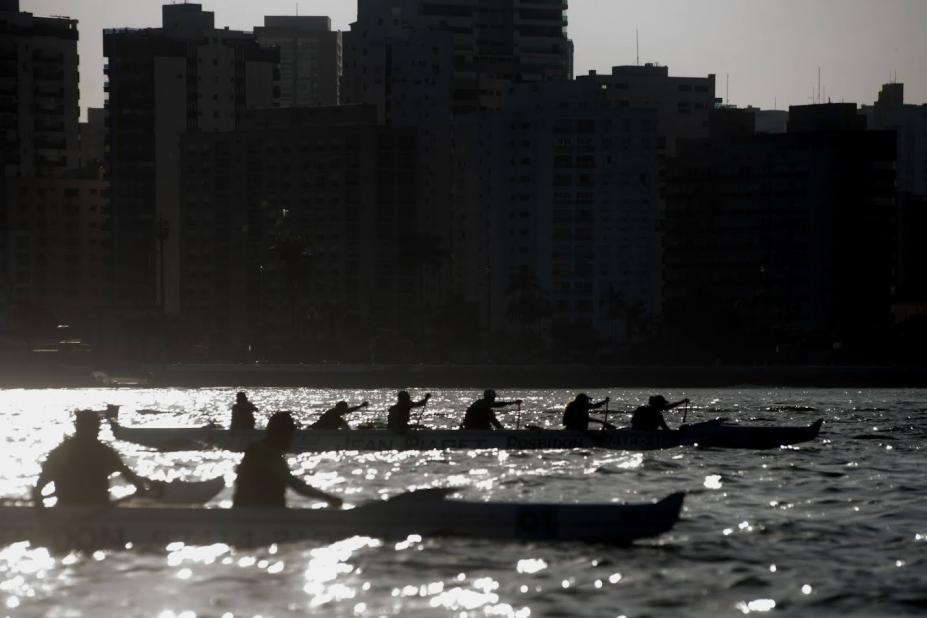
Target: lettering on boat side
[(552, 442), (536, 521)]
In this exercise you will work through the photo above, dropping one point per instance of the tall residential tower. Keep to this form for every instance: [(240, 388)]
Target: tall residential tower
[(186, 76), (310, 59)]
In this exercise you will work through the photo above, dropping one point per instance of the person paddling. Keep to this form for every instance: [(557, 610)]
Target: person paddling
[(650, 416), (81, 465), (263, 475), (242, 413), (480, 414), (576, 414), (401, 411), (333, 418)]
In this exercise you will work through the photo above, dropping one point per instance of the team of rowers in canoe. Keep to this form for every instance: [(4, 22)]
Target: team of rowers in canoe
[(81, 465), (479, 416)]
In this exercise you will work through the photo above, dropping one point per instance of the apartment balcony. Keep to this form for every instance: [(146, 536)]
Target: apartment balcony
[(45, 161), (47, 57), (51, 143), (45, 91), (41, 73), (43, 124), (55, 110), (561, 5)]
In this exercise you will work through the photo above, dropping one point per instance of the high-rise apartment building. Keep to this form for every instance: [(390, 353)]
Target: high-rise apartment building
[(556, 211), (310, 59), (38, 93), (683, 104), (493, 44), (52, 250), (778, 245), (59, 245), (299, 232), (186, 76), (909, 122)]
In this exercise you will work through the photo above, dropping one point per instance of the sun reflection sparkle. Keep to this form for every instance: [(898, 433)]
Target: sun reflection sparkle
[(757, 605)]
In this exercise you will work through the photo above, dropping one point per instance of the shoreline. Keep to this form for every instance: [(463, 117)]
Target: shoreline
[(458, 376)]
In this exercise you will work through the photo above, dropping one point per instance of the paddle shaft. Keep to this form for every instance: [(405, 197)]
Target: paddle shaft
[(421, 413)]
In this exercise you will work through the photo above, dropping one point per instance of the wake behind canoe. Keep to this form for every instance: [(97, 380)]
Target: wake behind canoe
[(115, 527)]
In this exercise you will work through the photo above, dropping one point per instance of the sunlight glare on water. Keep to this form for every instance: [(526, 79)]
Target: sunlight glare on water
[(812, 511)]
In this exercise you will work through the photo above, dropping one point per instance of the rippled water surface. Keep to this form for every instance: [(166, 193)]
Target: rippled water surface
[(832, 527)]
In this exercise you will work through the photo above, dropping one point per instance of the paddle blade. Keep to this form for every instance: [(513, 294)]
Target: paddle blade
[(428, 494)]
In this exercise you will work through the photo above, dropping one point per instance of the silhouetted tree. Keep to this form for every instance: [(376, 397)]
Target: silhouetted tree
[(294, 255), (631, 314), (528, 303)]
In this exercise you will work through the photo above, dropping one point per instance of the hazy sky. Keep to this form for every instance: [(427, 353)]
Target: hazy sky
[(771, 49)]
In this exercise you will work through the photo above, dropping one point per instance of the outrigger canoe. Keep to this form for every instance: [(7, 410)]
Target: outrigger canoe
[(709, 434), (423, 512)]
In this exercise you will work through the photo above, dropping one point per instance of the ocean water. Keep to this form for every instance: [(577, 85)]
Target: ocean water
[(834, 527)]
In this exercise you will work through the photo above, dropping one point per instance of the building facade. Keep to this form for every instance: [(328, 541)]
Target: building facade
[(53, 254), (296, 233), (59, 253), (683, 104), (780, 244), (186, 76), (310, 59), (38, 93), (493, 44), (557, 210), (909, 123), (93, 139)]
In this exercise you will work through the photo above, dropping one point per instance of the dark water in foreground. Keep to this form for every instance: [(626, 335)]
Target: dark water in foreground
[(833, 527)]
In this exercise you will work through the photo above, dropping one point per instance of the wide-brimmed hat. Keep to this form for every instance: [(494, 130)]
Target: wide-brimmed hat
[(658, 401)]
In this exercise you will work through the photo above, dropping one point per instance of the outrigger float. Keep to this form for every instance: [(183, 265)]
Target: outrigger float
[(423, 512), (709, 434)]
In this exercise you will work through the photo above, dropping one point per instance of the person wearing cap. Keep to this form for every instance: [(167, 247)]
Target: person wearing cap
[(401, 411), (81, 465), (242, 413), (576, 414), (334, 418), (480, 414), (263, 475), (650, 416)]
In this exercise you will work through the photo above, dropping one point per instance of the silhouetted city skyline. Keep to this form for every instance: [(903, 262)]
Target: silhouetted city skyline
[(770, 50), (438, 184)]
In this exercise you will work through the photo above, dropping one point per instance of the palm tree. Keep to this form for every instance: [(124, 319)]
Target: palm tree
[(420, 253), (620, 310), (528, 302), (295, 255)]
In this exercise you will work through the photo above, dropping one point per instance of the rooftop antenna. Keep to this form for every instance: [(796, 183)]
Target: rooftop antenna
[(727, 92), (819, 85), (637, 36)]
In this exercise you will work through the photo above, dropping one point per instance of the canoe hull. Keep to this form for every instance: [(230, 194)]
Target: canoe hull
[(116, 527), (314, 441), (735, 436)]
